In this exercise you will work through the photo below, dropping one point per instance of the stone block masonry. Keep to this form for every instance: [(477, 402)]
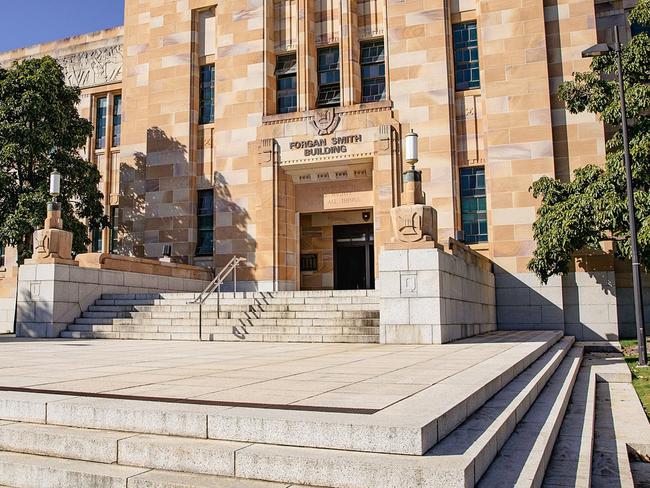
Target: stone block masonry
[(51, 296), (429, 296)]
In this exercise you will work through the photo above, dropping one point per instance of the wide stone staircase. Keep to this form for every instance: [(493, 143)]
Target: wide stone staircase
[(526, 420), (308, 316)]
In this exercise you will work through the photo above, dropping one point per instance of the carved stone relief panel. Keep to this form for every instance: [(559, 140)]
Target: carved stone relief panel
[(92, 68)]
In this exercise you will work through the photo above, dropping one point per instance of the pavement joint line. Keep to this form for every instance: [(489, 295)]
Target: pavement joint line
[(188, 401)]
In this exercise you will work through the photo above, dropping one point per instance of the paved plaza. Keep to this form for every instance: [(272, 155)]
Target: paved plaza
[(353, 376)]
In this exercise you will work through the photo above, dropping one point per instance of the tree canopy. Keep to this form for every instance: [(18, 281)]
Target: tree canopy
[(577, 215), (40, 131)]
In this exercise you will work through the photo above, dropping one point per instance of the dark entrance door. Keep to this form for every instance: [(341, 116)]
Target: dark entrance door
[(354, 264)]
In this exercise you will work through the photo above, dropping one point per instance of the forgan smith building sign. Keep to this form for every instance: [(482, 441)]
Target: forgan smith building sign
[(325, 146)]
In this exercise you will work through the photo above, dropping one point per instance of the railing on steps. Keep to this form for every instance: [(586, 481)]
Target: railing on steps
[(215, 284)]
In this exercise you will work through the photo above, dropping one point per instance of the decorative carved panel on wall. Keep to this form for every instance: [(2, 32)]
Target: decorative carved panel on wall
[(91, 68)]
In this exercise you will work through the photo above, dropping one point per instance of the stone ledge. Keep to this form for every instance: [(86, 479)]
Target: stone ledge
[(132, 264)]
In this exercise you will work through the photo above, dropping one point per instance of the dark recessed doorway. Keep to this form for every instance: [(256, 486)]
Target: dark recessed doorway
[(354, 264)]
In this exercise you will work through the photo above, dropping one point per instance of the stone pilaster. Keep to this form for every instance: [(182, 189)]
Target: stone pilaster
[(350, 70)]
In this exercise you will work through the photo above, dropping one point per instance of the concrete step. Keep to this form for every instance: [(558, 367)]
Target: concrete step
[(244, 315), (457, 461), (424, 418), (214, 322), (315, 294), (105, 315), (526, 454), (225, 337), (30, 471), (570, 465)]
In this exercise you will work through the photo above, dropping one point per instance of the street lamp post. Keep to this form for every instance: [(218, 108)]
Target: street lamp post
[(597, 50)]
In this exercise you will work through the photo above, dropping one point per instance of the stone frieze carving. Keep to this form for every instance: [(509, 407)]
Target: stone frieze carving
[(91, 68)]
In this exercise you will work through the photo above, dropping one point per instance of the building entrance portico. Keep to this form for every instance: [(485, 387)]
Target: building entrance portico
[(337, 250)]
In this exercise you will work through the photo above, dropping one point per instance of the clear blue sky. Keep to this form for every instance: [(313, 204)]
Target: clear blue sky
[(27, 22)]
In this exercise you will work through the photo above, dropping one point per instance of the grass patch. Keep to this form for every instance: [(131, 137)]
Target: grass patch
[(640, 376)]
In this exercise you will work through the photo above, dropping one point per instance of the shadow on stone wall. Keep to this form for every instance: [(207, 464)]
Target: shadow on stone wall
[(155, 212), (232, 235), (574, 303)]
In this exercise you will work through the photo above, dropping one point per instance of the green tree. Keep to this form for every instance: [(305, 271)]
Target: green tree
[(577, 215), (41, 130)]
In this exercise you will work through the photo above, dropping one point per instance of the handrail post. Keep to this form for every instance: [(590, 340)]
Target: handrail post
[(200, 321), (215, 284)]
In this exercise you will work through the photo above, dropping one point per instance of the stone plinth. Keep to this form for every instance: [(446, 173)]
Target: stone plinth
[(429, 296)]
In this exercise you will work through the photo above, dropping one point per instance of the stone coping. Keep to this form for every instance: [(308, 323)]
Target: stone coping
[(470, 256), (411, 423), (132, 264)]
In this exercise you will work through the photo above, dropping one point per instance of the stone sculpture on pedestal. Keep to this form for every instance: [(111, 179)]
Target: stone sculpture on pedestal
[(413, 220), (52, 244)]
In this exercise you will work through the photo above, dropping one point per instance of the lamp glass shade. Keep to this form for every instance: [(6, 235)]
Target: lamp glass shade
[(411, 152), (55, 183)]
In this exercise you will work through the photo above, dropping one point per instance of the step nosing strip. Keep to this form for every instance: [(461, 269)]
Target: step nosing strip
[(190, 401)]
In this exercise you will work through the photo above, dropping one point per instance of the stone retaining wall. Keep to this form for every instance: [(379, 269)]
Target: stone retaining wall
[(51, 296), (429, 296)]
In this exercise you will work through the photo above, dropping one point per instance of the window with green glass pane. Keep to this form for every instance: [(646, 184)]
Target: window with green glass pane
[(373, 71), (117, 120), (206, 94), (287, 88), (465, 37), (101, 114), (115, 221), (473, 204), (96, 240), (329, 77), (205, 223)]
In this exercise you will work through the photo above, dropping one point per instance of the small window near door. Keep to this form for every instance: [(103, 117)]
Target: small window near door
[(2, 256), (309, 262), (205, 220)]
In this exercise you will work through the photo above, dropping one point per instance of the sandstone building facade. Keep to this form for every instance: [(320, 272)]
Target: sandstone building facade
[(273, 130)]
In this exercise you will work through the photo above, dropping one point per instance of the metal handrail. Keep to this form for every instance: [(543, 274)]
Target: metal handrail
[(215, 284)]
